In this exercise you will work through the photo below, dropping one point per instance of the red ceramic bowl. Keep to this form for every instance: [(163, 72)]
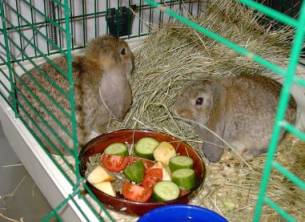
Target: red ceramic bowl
[(98, 144)]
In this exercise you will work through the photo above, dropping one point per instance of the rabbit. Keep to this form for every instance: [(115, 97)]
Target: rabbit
[(241, 110), (101, 90)]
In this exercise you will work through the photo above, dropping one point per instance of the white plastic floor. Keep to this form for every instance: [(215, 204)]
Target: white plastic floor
[(18, 201)]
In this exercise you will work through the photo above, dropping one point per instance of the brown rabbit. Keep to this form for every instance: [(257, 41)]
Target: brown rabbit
[(240, 110), (101, 87)]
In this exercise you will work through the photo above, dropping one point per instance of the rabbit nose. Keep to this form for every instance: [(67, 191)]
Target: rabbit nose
[(185, 113)]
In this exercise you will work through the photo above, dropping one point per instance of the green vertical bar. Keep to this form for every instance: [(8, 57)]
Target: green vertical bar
[(45, 21), (284, 99), (71, 89), (19, 25), (8, 60), (32, 20)]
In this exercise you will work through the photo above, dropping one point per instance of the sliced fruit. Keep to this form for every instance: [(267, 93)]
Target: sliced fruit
[(165, 171), (164, 152), (145, 147), (105, 187), (166, 191), (114, 163), (135, 192), (180, 162), (135, 171), (119, 149), (147, 163), (184, 178), (152, 176), (98, 175)]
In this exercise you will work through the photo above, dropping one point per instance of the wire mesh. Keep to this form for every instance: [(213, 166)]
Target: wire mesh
[(289, 80), (60, 26), (34, 34)]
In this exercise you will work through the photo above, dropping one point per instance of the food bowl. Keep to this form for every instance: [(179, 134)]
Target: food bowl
[(98, 145), (182, 213)]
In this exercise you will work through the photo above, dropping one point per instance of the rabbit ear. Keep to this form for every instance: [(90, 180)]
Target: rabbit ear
[(115, 92), (213, 148)]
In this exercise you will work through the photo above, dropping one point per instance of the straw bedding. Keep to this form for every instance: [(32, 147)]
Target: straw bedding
[(171, 57)]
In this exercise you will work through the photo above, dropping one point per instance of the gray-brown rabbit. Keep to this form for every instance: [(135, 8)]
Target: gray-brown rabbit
[(241, 110), (101, 87)]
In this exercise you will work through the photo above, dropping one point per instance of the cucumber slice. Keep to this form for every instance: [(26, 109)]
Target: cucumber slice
[(135, 171), (164, 152), (119, 149), (184, 178), (180, 162), (145, 147), (166, 191)]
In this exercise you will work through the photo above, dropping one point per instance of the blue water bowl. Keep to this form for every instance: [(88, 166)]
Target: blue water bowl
[(181, 213)]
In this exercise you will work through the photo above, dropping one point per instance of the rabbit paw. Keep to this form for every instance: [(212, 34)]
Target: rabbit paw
[(249, 154)]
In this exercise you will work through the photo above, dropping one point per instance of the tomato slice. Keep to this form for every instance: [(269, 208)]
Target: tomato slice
[(184, 192), (135, 192), (152, 176), (147, 163), (114, 163)]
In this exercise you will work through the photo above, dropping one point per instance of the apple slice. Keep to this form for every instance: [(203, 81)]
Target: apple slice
[(105, 187), (165, 171), (98, 175)]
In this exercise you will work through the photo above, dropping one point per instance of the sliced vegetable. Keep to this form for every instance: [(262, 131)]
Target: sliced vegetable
[(145, 147), (180, 162), (166, 191), (119, 149), (135, 171), (184, 178), (164, 152), (135, 192), (98, 175), (147, 163), (114, 163), (105, 187), (165, 171), (152, 176)]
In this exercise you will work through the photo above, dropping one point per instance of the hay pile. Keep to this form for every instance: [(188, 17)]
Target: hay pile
[(175, 54)]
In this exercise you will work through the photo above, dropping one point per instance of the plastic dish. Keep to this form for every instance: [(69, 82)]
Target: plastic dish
[(182, 213)]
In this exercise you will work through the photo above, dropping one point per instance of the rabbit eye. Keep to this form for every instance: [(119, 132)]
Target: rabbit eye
[(199, 101), (123, 51)]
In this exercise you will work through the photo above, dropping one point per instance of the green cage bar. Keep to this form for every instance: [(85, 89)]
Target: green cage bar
[(8, 59), (289, 79), (63, 23), (71, 90)]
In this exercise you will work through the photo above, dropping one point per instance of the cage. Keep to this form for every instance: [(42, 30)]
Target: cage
[(33, 32)]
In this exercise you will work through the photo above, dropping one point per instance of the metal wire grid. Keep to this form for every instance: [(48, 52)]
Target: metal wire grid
[(41, 22), (288, 73), (30, 32)]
